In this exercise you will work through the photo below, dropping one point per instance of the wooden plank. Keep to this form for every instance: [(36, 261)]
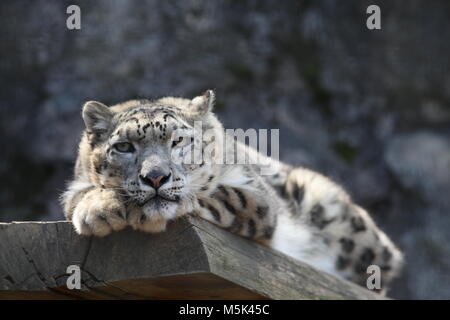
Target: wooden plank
[(193, 259), (205, 286)]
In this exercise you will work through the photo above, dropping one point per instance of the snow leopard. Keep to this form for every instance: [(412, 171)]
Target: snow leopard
[(135, 167)]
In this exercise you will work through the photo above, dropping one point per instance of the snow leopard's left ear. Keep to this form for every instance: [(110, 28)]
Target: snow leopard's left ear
[(201, 105)]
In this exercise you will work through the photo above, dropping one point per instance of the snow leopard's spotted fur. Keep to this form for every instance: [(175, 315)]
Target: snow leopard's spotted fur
[(294, 210)]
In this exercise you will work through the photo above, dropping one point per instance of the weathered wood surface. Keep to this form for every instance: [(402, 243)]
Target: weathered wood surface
[(193, 259)]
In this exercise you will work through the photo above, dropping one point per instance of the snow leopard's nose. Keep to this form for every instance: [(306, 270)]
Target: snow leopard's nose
[(155, 178)]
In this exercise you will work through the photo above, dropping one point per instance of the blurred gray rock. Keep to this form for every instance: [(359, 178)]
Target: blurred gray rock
[(421, 161)]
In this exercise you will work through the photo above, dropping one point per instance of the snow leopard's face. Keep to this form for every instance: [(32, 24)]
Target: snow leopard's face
[(151, 153)]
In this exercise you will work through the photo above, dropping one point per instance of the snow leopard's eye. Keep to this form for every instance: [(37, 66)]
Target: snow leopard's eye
[(124, 147), (177, 141)]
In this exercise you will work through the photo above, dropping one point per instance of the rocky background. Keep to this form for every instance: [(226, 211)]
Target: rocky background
[(371, 109)]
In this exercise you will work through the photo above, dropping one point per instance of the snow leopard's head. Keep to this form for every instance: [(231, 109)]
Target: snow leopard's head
[(157, 154)]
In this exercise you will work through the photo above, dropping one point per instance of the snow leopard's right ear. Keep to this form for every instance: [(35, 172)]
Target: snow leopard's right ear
[(201, 105), (97, 117)]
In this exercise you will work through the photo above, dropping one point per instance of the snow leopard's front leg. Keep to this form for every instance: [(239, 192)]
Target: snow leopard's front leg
[(243, 211), (93, 210)]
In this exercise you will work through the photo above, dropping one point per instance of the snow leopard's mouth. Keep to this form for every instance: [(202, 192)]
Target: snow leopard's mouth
[(158, 200)]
